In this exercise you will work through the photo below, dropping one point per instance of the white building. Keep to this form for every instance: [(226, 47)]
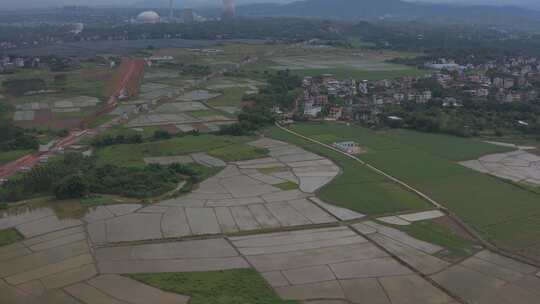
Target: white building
[(311, 110), (148, 17), (349, 147)]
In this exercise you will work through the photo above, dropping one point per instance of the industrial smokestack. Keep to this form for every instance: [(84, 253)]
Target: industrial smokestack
[(229, 9), (171, 14)]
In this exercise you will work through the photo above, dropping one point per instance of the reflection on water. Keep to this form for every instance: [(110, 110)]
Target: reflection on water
[(68, 209), (62, 210)]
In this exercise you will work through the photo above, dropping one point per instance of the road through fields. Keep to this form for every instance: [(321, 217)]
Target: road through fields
[(129, 80)]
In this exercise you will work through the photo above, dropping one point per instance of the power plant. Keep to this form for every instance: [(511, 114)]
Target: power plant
[(229, 9)]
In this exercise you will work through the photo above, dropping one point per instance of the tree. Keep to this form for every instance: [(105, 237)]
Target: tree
[(18, 87), (72, 186)]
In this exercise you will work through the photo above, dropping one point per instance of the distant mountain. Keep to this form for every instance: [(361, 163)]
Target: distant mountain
[(398, 10)]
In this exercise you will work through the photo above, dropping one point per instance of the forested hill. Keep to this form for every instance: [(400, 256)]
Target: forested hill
[(398, 10)]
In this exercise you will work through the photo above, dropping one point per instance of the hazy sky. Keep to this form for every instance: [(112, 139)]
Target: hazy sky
[(18, 4), (10, 4)]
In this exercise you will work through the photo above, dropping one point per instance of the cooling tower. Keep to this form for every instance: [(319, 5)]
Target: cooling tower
[(229, 9)]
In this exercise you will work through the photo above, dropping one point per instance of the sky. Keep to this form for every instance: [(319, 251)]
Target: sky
[(26, 4)]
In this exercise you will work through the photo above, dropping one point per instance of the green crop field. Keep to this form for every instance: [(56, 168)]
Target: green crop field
[(133, 154), (238, 152), (502, 212), (456, 246), (231, 97), (357, 187), (342, 73), (220, 287)]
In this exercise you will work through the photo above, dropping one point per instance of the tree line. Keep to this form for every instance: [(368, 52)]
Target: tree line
[(75, 176), (471, 119)]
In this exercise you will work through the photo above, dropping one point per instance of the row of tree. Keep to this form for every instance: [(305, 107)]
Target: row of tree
[(471, 119), (12, 137)]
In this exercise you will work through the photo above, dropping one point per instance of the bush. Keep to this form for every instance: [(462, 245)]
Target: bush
[(109, 140), (79, 176), (63, 133), (238, 129), (73, 186), (182, 169), (161, 135)]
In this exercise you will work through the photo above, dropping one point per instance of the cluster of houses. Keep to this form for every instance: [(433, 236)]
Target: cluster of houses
[(9, 65), (506, 81), (331, 99)]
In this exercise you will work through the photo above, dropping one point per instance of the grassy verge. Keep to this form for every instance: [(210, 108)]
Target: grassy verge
[(272, 170), (145, 132), (203, 172), (101, 120), (203, 113), (134, 154), (223, 287), (238, 152), (6, 157), (357, 188), (9, 236), (97, 200)]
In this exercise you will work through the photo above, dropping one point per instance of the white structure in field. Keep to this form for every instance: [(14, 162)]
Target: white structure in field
[(349, 147)]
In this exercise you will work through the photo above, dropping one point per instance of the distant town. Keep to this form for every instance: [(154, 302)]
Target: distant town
[(511, 81)]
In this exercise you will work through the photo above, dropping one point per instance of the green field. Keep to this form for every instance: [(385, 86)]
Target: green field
[(456, 246), (502, 212), (288, 185), (360, 62), (373, 75), (133, 154), (9, 236), (145, 132), (242, 286), (203, 113), (90, 80), (103, 119), (357, 187), (231, 97), (238, 152)]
